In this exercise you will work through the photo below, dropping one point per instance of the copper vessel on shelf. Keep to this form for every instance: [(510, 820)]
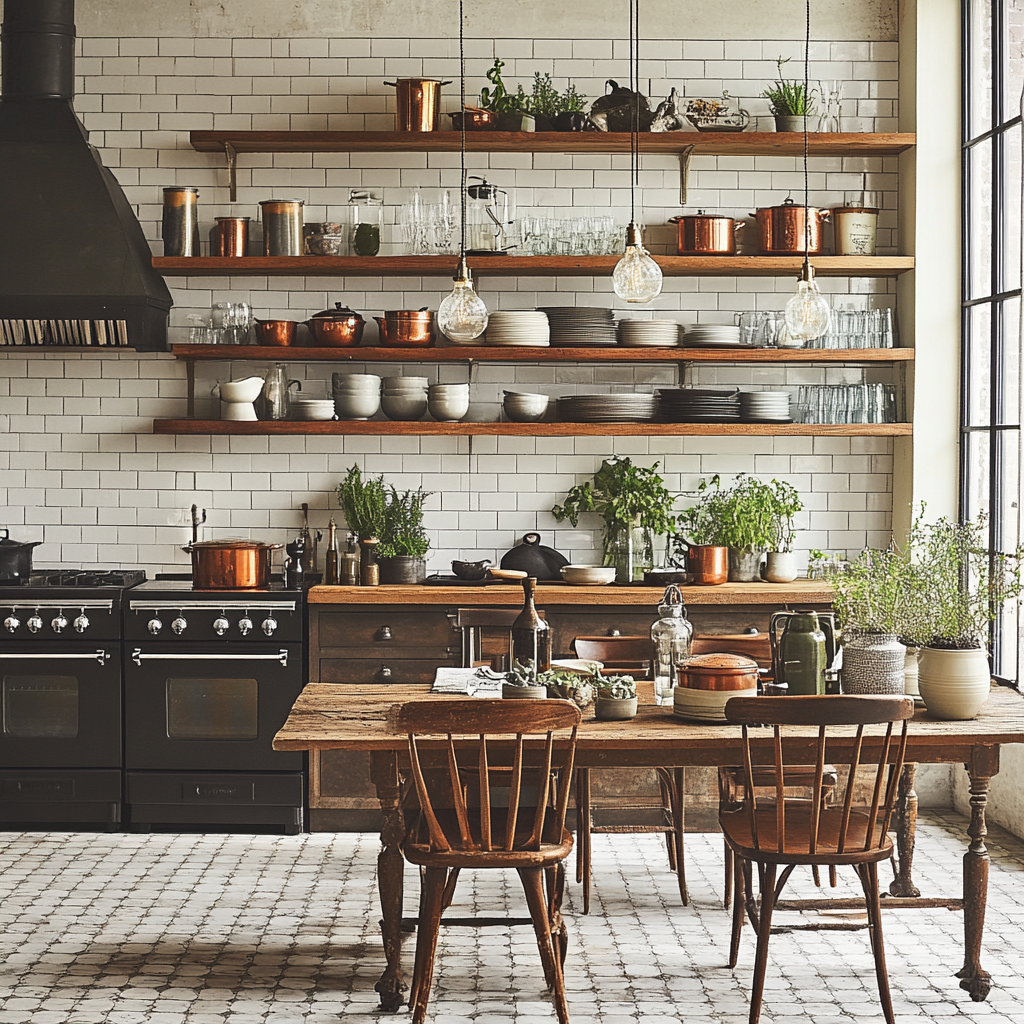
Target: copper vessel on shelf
[(781, 229), (406, 328), (276, 332), (340, 327), (708, 563), (419, 104), (706, 234)]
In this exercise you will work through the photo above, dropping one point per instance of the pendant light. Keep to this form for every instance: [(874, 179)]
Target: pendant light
[(462, 316), (636, 278), (807, 313)]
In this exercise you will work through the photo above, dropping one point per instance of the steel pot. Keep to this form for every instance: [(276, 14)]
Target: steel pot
[(780, 229), (340, 327), (276, 332), (535, 559), (706, 234), (411, 328), (419, 104), (231, 564), (15, 558)]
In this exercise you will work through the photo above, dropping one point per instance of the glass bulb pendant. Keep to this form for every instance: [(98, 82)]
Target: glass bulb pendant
[(807, 313), (636, 278), (462, 316)]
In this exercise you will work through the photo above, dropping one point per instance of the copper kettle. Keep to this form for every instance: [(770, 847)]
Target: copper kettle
[(781, 229)]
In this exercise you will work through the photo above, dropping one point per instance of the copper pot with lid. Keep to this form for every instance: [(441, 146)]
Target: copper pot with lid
[(230, 564), (781, 229), (719, 672), (706, 234), (340, 327)]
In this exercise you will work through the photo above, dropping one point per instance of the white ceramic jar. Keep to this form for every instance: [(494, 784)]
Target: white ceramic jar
[(954, 684)]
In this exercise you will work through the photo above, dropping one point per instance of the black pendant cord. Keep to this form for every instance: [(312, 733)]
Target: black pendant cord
[(807, 212), (634, 85), (462, 147)]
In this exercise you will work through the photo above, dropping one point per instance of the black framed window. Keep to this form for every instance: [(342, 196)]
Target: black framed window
[(990, 417)]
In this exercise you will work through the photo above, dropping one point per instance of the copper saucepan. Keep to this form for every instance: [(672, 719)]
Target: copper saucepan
[(706, 234), (720, 672), (231, 564), (406, 327), (419, 104), (781, 229), (276, 332)]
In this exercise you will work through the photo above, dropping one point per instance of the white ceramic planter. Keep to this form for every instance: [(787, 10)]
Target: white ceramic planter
[(954, 684), (780, 567), (509, 692), (910, 673), (615, 709)]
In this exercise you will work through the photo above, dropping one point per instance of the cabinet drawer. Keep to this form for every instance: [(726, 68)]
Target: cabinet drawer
[(368, 670), (386, 627)]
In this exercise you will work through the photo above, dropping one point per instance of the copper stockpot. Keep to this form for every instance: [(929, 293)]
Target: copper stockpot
[(340, 327), (231, 564), (406, 328), (706, 234), (708, 563), (718, 672), (419, 104), (780, 229), (275, 332)]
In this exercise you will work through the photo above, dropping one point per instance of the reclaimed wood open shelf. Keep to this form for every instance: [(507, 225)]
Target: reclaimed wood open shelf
[(671, 266), (431, 428)]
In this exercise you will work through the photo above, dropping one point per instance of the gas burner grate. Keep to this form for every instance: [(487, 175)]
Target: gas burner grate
[(85, 578)]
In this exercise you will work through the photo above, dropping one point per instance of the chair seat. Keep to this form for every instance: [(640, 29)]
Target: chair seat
[(736, 826)]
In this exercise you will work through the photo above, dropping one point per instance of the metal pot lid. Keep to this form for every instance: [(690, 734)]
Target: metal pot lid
[(408, 314), (701, 215), (7, 543), (340, 312), (789, 204), (234, 545), (731, 664)]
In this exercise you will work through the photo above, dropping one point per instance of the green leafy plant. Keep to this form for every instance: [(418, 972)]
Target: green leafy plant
[(547, 101), (789, 98), (615, 687), (364, 503), (749, 516), (568, 685), (403, 532), (498, 99)]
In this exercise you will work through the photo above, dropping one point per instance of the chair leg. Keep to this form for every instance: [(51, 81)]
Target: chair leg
[(741, 869), (869, 879), (679, 830), (583, 818), (728, 873), (533, 885), (554, 879), (433, 883), (580, 782), (664, 785), (449, 889), (766, 877)]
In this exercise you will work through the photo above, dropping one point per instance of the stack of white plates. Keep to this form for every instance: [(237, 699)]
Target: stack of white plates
[(607, 408), (581, 325), (765, 407), (311, 408), (654, 333), (712, 336), (518, 327)]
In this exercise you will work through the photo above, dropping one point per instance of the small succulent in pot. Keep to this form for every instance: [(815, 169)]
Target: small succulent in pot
[(521, 682), (616, 698), (568, 685)]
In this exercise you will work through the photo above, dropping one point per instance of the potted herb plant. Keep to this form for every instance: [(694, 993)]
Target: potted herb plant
[(635, 505), (616, 698), (780, 563), (511, 115), (363, 501), (554, 110), (790, 101)]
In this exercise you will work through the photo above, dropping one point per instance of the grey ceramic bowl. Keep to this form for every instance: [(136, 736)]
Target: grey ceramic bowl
[(351, 406), (448, 410), (404, 407)]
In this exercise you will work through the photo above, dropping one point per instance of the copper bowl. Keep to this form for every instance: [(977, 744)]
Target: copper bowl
[(231, 564), (718, 672), (476, 120), (276, 332), (406, 328)]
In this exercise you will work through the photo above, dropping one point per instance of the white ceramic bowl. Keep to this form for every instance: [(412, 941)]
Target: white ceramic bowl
[(588, 575), (356, 379), (357, 389), (311, 408), (247, 390), (402, 407), (406, 382), (448, 389), (356, 407), (525, 408), (448, 409)]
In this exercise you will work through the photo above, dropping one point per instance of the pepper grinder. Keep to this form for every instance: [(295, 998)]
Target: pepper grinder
[(294, 574), (349, 563), (331, 558)]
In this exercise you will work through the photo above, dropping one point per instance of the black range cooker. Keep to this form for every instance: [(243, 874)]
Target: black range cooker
[(210, 677)]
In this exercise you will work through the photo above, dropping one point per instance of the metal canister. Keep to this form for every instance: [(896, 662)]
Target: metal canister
[(282, 227), (419, 104), (231, 236), (181, 221)]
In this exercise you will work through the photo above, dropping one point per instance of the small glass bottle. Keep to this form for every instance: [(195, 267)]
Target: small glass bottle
[(331, 558), (369, 570), (530, 642), (672, 634), (349, 563), (365, 218)]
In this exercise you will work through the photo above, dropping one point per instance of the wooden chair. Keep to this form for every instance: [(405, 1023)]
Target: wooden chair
[(471, 622), (633, 655), (786, 832), (457, 826)]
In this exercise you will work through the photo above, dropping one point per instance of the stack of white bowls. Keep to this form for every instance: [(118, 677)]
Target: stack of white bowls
[(524, 408), (448, 402), (404, 398), (356, 395)]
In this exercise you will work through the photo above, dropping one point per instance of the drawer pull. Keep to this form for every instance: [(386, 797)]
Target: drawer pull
[(383, 675), (384, 633)]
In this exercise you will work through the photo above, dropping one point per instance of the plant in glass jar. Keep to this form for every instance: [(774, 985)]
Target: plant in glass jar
[(635, 505)]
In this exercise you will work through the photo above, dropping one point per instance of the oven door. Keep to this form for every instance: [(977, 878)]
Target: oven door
[(60, 705), (203, 708)]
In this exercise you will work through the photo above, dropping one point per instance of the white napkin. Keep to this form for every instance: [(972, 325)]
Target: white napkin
[(472, 682)]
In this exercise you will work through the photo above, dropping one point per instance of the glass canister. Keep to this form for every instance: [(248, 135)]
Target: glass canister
[(181, 221), (365, 219), (282, 227), (672, 635)]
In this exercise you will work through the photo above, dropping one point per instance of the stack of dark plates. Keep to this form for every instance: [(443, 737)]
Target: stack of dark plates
[(581, 325), (607, 408), (699, 405)]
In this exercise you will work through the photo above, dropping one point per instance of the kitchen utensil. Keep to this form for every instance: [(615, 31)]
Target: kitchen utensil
[(490, 213), (706, 234), (483, 570), (15, 558), (476, 120), (707, 682), (340, 327), (708, 563), (804, 652), (274, 400), (276, 332), (231, 564), (419, 104), (282, 227), (855, 228), (413, 328), (231, 236), (238, 397), (181, 221), (780, 229), (534, 558), (588, 575)]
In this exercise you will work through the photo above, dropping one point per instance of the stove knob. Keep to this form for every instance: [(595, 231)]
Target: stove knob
[(154, 626), (11, 623), (35, 624), (269, 625), (220, 625), (59, 624), (179, 625), (245, 625), (81, 623)]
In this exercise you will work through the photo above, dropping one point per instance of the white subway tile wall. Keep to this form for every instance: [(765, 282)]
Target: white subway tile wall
[(80, 469)]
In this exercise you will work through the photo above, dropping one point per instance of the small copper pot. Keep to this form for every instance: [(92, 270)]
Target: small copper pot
[(275, 332), (706, 234), (419, 104), (780, 229), (231, 564), (708, 563), (406, 328), (720, 672), (340, 327)]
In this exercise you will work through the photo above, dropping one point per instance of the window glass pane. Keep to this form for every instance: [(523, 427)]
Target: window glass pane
[(1013, 58), (979, 370), (1009, 314), (1006, 656), (1009, 482), (212, 709), (977, 472), (979, 72), (979, 219), (1010, 226), (40, 707)]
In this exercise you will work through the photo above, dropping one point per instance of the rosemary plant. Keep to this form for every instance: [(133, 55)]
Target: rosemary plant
[(363, 502), (403, 532)]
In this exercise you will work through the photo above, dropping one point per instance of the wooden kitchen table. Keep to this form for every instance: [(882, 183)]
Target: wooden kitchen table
[(328, 717)]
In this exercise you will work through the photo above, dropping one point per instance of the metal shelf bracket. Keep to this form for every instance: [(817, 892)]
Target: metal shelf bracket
[(684, 172), (232, 155)]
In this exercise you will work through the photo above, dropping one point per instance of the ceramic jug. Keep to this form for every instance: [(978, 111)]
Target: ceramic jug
[(806, 648)]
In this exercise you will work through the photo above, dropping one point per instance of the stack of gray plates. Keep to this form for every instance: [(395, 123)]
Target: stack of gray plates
[(699, 405), (588, 326), (607, 408), (651, 333), (713, 336), (765, 407)]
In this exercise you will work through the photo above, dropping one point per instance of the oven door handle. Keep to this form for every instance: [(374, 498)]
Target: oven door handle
[(101, 656), (138, 657)]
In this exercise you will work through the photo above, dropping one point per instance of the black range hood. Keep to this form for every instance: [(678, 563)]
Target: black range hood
[(72, 251)]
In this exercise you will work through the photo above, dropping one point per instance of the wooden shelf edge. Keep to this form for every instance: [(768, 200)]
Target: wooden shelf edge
[(516, 354), (430, 428)]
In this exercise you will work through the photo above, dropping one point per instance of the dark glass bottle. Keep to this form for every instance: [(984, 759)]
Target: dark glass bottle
[(531, 636)]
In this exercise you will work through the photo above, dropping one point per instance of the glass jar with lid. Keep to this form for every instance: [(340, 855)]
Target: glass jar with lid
[(672, 635), (365, 219)]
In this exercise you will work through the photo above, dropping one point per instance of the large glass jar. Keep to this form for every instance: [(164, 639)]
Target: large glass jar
[(365, 218), (630, 548), (672, 635)]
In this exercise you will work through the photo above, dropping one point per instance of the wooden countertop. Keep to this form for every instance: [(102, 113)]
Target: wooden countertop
[(776, 594)]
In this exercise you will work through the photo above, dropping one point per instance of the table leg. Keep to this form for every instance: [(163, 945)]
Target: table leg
[(390, 865), (906, 828), (983, 765)]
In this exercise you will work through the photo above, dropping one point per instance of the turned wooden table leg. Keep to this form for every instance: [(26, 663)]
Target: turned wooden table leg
[(390, 864), (906, 829), (973, 979)]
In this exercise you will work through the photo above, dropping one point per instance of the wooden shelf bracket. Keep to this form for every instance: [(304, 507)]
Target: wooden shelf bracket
[(684, 173), (232, 155)]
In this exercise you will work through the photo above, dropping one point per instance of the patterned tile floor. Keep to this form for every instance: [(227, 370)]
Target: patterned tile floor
[(124, 929)]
